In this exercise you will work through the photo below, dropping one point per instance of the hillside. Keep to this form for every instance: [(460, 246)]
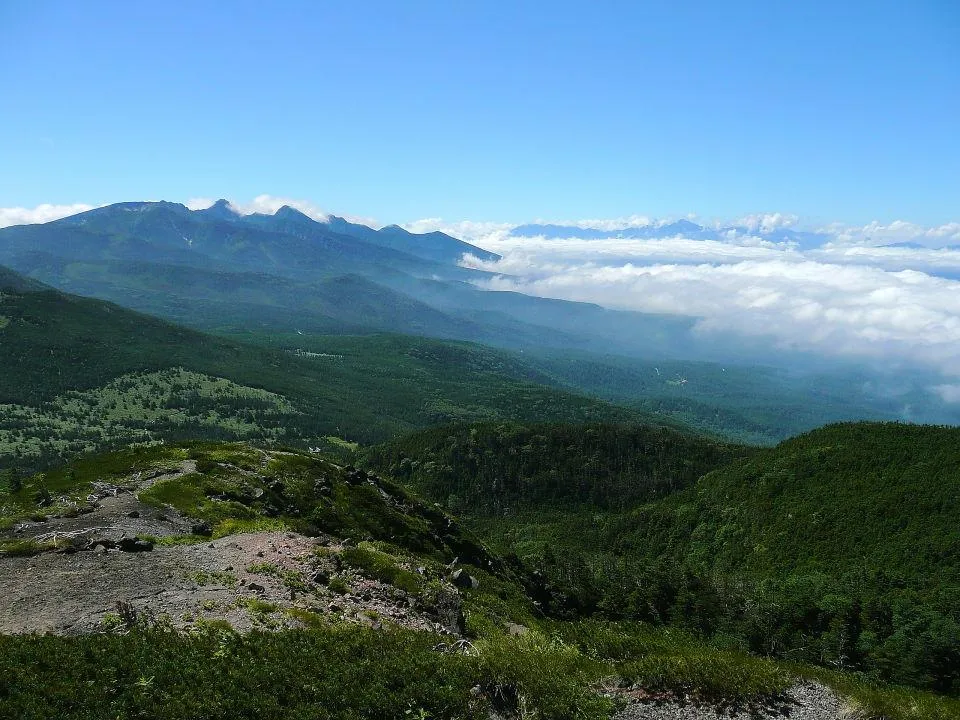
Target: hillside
[(126, 368), (844, 498), (501, 468), (843, 541), (214, 270), (839, 547), (227, 580)]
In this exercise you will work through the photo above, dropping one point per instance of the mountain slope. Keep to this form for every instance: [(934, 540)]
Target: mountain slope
[(228, 580), (214, 270), (839, 547), (500, 468), (836, 500), (368, 389)]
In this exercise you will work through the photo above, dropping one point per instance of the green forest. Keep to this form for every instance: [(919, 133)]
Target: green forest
[(839, 547)]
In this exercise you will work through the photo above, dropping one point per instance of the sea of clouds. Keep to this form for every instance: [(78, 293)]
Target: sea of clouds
[(860, 293)]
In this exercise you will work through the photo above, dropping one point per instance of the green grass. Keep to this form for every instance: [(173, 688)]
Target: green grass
[(25, 548), (346, 673), (381, 566)]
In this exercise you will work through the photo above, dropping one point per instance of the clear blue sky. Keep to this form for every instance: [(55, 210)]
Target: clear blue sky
[(490, 111)]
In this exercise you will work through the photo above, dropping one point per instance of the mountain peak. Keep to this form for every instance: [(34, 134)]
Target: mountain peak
[(221, 210), (287, 212)]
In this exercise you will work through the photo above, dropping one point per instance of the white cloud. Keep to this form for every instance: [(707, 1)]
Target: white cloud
[(633, 221), (199, 203), (468, 230), (892, 258), (767, 223), (40, 213), (269, 204), (898, 231), (948, 393), (834, 304)]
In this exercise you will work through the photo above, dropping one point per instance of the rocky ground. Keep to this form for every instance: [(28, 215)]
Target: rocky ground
[(105, 576), (804, 701)]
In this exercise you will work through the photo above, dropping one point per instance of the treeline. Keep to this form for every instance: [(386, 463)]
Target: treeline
[(496, 468)]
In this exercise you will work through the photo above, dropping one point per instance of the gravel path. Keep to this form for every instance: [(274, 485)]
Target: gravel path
[(804, 701)]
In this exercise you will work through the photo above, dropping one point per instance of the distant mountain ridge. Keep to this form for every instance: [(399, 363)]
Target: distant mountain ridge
[(681, 228)]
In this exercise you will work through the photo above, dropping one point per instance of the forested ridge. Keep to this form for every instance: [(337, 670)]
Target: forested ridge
[(838, 547), (366, 389), (498, 467)]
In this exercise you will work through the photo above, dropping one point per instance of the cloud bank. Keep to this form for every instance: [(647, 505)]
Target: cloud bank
[(39, 214), (897, 305)]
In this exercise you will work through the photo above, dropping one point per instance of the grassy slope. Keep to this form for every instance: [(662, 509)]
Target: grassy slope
[(143, 408)]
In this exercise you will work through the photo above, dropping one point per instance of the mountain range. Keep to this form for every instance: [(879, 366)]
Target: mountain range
[(215, 270)]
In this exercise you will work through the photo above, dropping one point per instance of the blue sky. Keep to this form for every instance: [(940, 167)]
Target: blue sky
[(489, 111)]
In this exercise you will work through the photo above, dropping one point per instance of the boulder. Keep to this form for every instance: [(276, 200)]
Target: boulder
[(464, 580), (129, 544)]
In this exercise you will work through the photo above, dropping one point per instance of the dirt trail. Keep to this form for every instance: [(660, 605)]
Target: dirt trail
[(109, 516)]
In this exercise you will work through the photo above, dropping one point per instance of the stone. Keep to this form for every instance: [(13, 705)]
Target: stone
[(129, 544), (203, 529), (515, 629), (464, 580)]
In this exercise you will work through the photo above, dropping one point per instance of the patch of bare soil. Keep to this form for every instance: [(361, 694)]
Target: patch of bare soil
[(804, 701), (268, 580)]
